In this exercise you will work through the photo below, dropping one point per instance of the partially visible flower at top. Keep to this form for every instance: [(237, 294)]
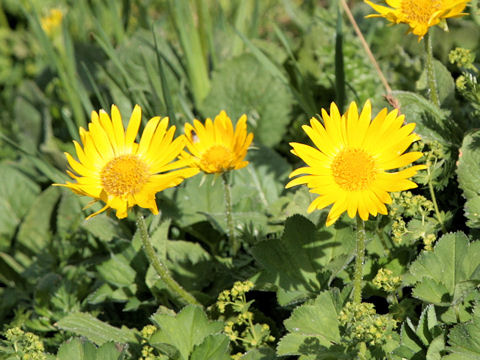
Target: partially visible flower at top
[(216, 147), (420, 15), (113, 168), (352, 165), (52, 21)]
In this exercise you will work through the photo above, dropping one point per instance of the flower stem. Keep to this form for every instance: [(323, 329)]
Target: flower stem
[(432, 82), (228, 214), (159, 267), (359, 258), (434, 199)]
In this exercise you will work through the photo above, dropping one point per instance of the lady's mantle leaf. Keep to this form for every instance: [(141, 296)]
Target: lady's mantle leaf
[(467, 171), (189, 328), (449, 272), (312, 328)]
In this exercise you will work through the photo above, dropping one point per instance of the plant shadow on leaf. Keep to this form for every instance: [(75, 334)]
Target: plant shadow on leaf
[(302, 259)]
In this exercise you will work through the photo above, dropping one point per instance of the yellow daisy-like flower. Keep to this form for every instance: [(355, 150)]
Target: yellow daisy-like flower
[(216, 148), (113, 168), (420, 15), (352, 165)]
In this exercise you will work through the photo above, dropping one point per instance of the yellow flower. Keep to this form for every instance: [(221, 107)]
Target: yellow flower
[(113, 168), (420, 15), (352, 167), (216, 148), (52, 21)]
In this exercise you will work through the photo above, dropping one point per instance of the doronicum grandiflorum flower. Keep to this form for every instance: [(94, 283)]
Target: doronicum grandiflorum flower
[(420, 15), (352, 165), (216, 147), (112, 167)]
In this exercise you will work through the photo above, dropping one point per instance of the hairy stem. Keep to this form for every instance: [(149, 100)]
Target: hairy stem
[(159, 267), (432, 82), (359, 259), (234, 246)]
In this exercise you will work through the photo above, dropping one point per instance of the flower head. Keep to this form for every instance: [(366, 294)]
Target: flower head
[(112, 167), (216, 148), (52, 21), (420, 15), (352, 165)]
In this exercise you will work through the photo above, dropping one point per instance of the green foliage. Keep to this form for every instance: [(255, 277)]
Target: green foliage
[(72, 288), (76, 349), (242, 86), (449, 273), (95, 330), (303, 265), (189, 334), (468, 163)]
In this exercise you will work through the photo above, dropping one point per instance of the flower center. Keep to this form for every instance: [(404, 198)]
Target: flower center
[(353, 169), (420, 10), (216, 159), (124, 175)]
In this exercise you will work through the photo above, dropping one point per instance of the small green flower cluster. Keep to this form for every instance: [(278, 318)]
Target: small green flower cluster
[(407, 205), (386, 281), (239, 325), (467, 83), (463, 58), (361, 324), (26, 345), (148, 352)]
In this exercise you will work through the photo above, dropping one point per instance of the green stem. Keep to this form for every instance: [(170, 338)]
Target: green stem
[(434, 200), (159, 267), (359, 258), (234, 246), (432, 82)]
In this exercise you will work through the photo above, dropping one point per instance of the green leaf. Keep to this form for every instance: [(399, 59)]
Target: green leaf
[(464, 340), (242, 86), (184, 331), (432, 123), (214, 347), (102, 227), (77, 349), (467, 171), (445, 82), (259, 354), (311, 327), (438, 273), (16, 195), (35, 233), (117, 271), (97, 331), (69, 215), (305, 258)]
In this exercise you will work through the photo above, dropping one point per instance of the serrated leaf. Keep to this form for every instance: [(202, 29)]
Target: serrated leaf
[(311, 327), (17, 192), (464, 340), (214, 347), (242, 86), (77, 349), (259, 354), (35, 232), (453, 261), (296, 261), (431, 122), (185, 330), (467, 171), (97, 331)]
